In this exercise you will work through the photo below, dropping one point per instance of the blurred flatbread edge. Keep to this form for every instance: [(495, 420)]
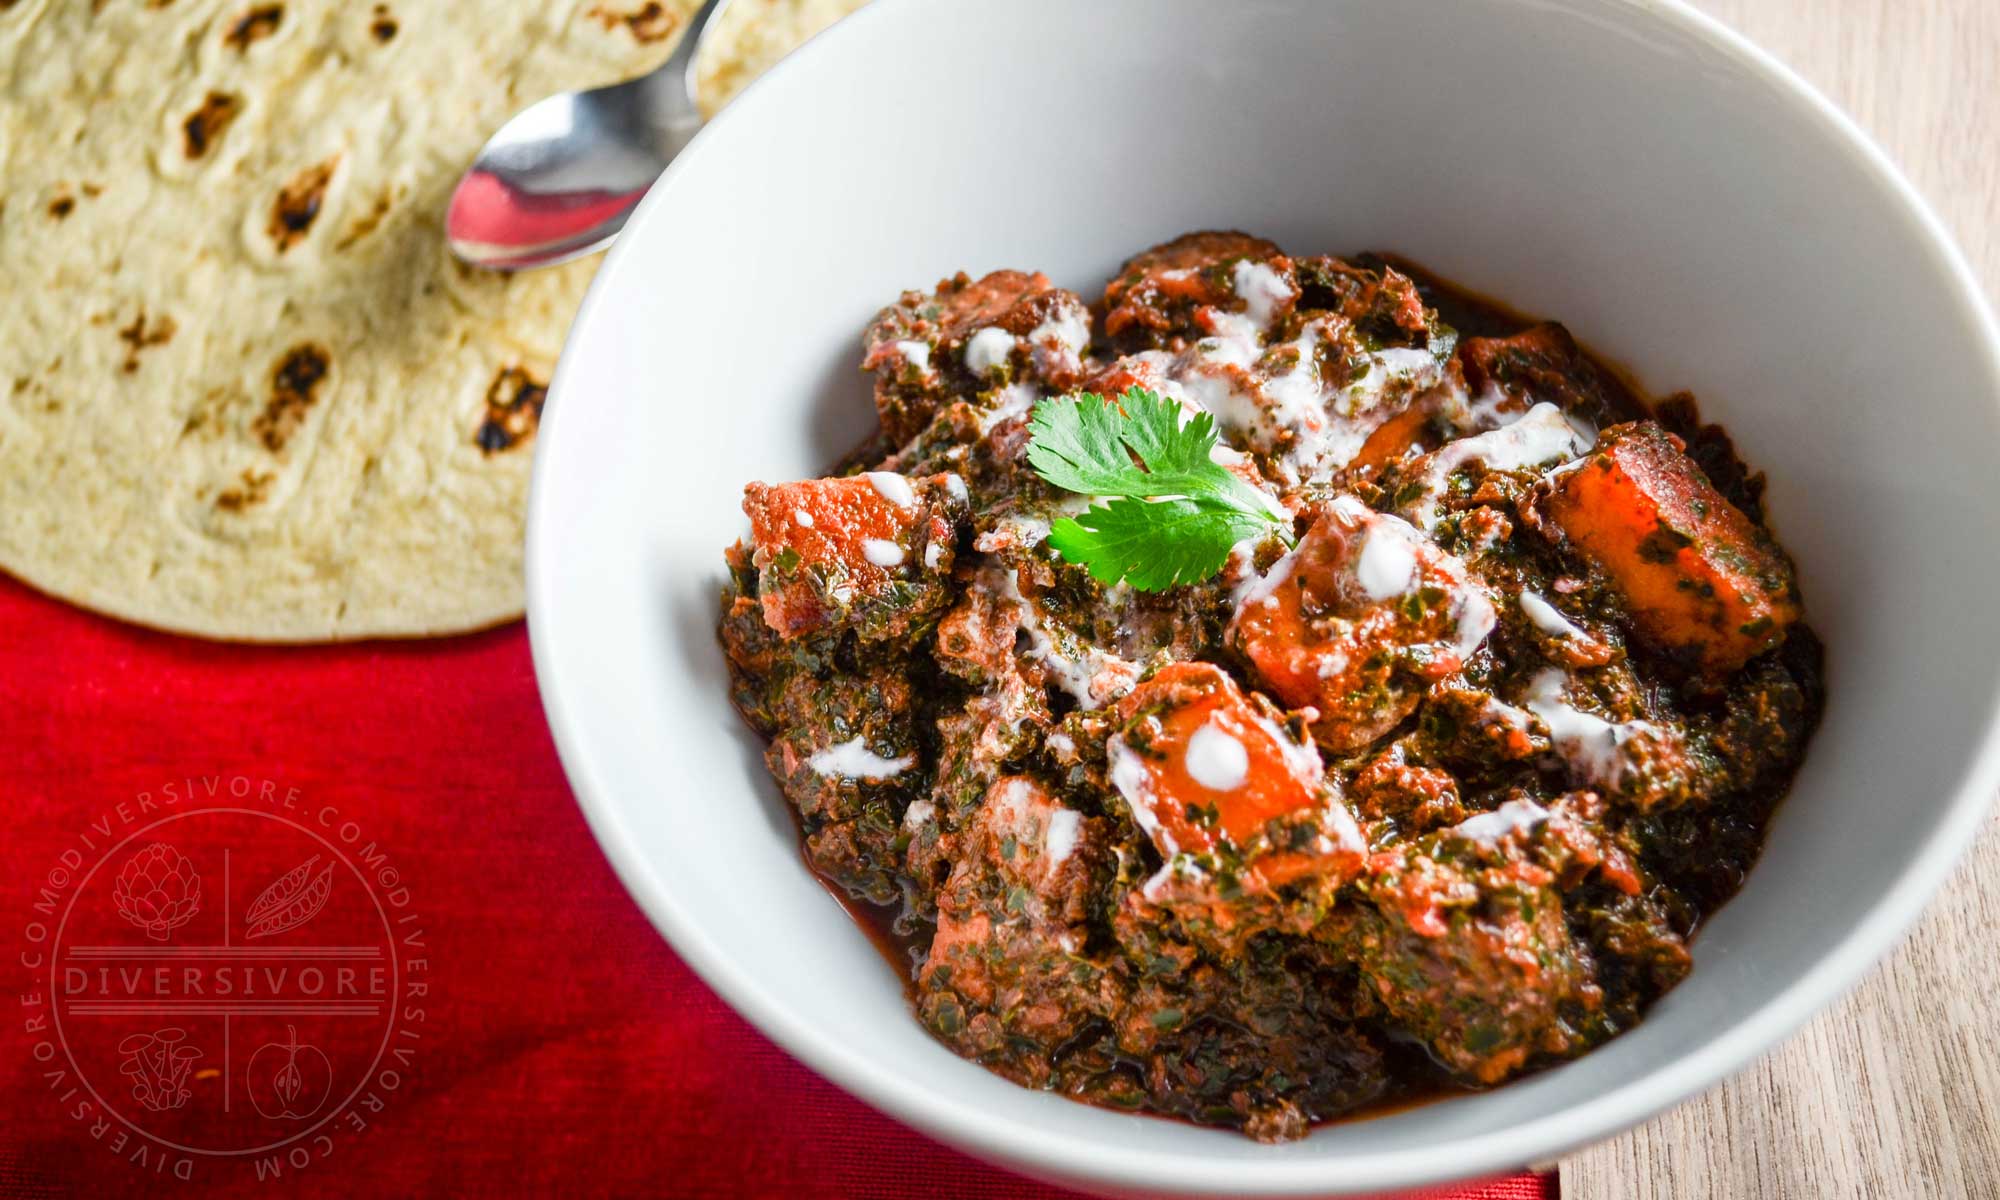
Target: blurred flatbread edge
[(244, 392)]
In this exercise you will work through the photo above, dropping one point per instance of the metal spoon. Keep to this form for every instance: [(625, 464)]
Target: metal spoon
[(558, 180)]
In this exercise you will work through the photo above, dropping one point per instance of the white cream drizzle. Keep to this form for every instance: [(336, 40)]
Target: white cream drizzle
[(1382, 373), (1491, 409), (1024, 529), (1216, 759), (1475, 617), (1014, 529), (1592, 746), (1506, 714), (1082, 677), (1263, 589), (1009, 801), (1331, 664), (802, 517), (882, 553), (1389, 539), (1301, 758), (1545, 617), (1178, 868), (853, 759), (1541, 437), (1262, 290), (1059, 840), (1387, 565), (892, 487), (988, 350), (1067, 328), (1309, 429), (1015, 399), (1343, 832), (1130, 777), (1512, 817)]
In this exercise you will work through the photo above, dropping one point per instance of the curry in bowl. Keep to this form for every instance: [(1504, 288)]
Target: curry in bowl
[(1280, 688)]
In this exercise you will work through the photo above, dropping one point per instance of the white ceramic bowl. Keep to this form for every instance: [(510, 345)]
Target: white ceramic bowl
[(1684, 204)]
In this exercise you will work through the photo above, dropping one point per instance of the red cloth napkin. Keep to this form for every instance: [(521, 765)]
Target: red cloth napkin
[(565, 1050)]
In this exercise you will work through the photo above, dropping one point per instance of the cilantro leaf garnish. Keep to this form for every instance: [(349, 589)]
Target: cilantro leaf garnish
[(1174, 512), (1155, 544)]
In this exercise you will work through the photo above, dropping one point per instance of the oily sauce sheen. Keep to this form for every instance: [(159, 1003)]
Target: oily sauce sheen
[(1427, 794)]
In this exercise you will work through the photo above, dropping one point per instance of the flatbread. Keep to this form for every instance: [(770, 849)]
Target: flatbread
[(244, 390)]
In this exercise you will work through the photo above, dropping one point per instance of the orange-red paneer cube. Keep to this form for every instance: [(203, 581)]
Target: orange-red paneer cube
[(866, 550), (1393, 438), (1206, 768), (1359, 622), (1702, 583)]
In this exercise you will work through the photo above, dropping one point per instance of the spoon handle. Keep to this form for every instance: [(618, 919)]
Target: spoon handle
[(678, 71)]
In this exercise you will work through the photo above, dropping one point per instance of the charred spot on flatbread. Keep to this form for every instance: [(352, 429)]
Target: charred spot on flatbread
[(254, 486), (382, 26), (298, 204), (295, 385), (513, 410), (254, 25), (647, 23), (367, 222), (208, 121), (62, 206), (142, 334)]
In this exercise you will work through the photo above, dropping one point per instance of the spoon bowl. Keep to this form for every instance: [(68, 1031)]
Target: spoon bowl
[(559, 179)]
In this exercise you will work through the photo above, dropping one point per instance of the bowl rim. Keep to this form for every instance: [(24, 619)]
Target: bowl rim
[(1536, 1141)]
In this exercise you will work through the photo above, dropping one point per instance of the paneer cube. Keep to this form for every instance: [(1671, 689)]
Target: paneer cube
[(1703, 585), (868, 552), (1223, 786), (1407, 432), (1357, 622)]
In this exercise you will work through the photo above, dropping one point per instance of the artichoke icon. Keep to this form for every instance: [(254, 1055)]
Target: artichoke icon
[(158, 890)]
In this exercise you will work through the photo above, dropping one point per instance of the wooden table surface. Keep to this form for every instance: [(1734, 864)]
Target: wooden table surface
[(1895, 1092)]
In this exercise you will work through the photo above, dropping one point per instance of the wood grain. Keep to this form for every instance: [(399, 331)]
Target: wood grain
[(1896, 1091)]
